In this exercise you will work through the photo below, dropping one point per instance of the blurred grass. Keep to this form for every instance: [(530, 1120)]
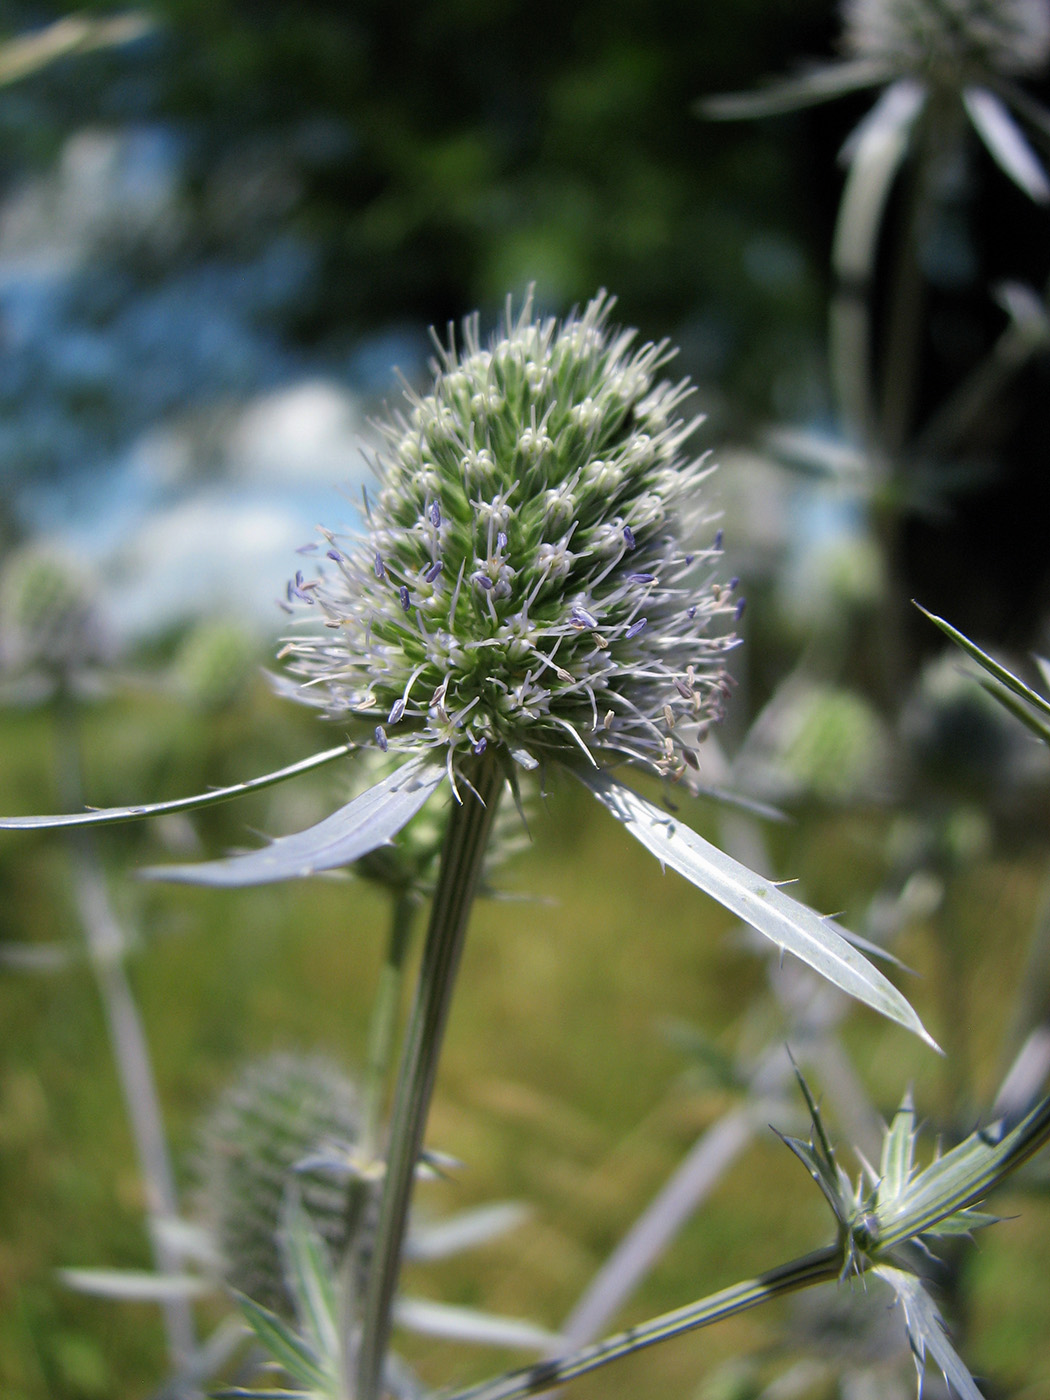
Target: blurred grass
[(556, 1088)]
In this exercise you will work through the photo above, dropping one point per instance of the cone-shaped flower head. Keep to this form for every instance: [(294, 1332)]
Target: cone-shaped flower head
[(277, 1113), (950, 41), (523, 579), (48, 614)]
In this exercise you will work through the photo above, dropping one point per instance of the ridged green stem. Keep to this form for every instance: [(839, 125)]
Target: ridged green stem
[(462, 858), (822, 1266)]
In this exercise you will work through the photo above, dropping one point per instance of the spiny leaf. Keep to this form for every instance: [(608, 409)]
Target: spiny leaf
[(789, 924), (370, 820), (1001, 674), (310, 1280), (107, 816), (898, 1153), (283, 1344), (926, 1332)]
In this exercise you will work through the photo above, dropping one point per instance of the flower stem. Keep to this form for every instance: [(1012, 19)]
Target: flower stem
[(822, 1266), (462, 858), (106, 948)]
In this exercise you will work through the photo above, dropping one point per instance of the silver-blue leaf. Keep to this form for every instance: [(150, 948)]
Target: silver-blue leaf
[(363, 824), (789, 924), (926, 1332), (107, 816)]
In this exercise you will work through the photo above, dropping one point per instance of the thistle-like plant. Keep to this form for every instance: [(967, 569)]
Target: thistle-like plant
[(534, 584), (944, 66), (929, 53)]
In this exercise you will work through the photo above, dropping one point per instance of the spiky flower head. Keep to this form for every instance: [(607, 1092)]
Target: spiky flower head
[(48, 613), (522, 580), (215, 663), (277, 1113), (951, 42)]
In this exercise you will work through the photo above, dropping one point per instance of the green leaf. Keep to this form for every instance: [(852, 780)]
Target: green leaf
[(309, 1277), (787, 923), (898, 1153), (370, 820), (962, 1178), (107, 816), (1010, 702), (926, 1332), (1000, 673), (283, 1344)]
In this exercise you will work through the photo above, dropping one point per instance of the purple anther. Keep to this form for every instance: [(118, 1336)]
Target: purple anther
[(483, 581), (290, 592), (635, 628), (402, 593), (691, 612), (397, 709), (501, 542), (481, 745), (740, 608), (432, 573), (582, 617), (381, 737), (689, 559), (378, 565), (299, 578), (435, 514), (685, 691), (628, 537), (307, 549), (641, 578), (734, 584), (718, 540), (334, 555)]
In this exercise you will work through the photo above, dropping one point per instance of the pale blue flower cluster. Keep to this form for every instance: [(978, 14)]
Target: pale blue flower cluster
[(523, 580)]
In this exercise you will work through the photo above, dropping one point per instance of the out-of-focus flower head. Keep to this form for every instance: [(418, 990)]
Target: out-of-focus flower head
[(49, 621)]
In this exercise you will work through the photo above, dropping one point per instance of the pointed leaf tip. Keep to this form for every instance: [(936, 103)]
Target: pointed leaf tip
[(792, 926), (108, 816)]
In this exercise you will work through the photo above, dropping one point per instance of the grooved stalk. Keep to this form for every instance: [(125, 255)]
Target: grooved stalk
[(462, 857)]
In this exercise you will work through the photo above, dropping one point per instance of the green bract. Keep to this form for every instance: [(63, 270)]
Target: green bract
[(522, 580)]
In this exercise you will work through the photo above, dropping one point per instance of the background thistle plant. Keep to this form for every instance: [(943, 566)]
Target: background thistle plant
[(278, 1113), (950, 41)]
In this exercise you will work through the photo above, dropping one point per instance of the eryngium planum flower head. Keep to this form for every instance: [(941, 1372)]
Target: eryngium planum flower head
[(523, 580), (277, 1113), (950, 41)]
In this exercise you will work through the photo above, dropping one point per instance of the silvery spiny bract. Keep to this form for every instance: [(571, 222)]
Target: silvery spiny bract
[(950, 40), (522, 580)]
